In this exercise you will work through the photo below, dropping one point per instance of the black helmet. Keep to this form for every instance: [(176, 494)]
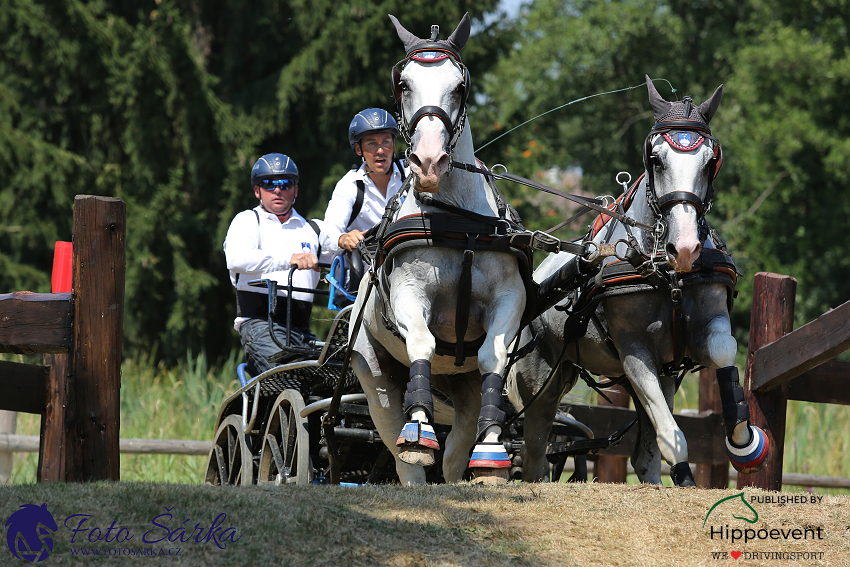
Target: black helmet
[(273, 165), (371, 121)]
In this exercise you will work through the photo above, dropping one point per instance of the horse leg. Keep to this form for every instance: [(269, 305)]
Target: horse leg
[(489, 458), (646, 458), (417, 439), (746, 445), (671, 441), (374, 368), (464, 391)]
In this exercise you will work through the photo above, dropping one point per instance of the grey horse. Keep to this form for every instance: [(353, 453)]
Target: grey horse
[(417, 303), (672, 313)]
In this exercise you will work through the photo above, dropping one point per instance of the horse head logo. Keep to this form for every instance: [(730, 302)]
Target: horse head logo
[(29, 532), (734, 497)]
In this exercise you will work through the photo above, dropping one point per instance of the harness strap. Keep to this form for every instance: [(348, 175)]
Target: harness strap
[(464, 298), (358, 202)]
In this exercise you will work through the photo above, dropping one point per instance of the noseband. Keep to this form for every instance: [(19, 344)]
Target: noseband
[(687, 129), (431, 53)]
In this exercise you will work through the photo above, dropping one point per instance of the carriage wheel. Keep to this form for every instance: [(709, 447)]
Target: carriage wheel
[(230, 462), (285, 456)]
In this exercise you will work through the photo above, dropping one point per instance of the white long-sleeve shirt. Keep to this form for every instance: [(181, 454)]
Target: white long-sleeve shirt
[(345, 194), (262, 250)]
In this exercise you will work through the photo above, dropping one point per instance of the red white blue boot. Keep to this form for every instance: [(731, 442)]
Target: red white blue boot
[(489, 456), (417, 442), (752, 457)]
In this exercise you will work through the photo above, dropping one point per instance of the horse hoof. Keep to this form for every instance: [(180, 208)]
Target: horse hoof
[(415, 455), (489, 456), (681, 475), (491, 477), (753, 456), (415, 433)]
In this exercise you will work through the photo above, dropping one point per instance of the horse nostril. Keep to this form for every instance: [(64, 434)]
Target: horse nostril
[(698, 249), (443, 162), (671, 250), (414, 160)]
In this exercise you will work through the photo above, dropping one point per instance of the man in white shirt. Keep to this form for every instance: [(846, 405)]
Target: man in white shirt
[(360, 197), (264, 243)]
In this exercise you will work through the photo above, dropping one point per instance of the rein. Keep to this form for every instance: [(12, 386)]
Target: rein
[(594, 204)]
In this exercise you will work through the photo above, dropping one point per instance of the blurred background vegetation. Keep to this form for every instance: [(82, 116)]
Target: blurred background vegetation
[(167, 103)]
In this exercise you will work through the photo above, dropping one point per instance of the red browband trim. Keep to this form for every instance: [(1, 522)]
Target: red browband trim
[(690, 148)]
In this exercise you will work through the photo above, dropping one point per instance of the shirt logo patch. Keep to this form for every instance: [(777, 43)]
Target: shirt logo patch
[(305, 248)]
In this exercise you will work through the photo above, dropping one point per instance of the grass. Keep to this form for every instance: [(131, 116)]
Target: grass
[(182, 402), (515, 525)]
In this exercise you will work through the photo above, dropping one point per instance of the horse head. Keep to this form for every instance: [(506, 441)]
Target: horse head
[(431, 85), (681, 159)]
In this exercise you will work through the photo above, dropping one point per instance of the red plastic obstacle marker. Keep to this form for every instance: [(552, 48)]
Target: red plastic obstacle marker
[(63, 255)]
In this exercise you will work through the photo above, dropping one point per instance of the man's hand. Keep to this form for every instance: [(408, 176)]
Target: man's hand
[(349, 240), (305, 261)]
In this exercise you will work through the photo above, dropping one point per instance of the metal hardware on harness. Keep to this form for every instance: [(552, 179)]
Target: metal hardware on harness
[(625, 183)]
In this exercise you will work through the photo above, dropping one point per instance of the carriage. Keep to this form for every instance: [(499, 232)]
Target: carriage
[(270, 430)]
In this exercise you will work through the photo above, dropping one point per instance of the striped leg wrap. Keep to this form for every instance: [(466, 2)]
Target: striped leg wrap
[(491, 402), (419, 389)]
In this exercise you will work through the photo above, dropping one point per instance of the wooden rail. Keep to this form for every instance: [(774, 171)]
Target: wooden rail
[(76, 391), (787, 365)]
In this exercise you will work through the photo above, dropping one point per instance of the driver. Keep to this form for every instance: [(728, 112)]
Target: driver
[(360, 197), (264, 243)]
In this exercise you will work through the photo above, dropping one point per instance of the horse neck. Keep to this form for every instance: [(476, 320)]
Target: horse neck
[(463, 189), (640, 211)]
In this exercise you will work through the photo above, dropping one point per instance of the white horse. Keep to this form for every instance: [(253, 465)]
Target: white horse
[(638, 331), (417, 303)]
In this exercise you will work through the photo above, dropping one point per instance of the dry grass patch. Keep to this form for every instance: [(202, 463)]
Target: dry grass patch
[(461, 525)]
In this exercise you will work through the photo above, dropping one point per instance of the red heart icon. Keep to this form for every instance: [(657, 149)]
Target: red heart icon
[(736, 554)]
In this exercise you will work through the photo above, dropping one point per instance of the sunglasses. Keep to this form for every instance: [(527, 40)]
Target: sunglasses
[(272, 184)]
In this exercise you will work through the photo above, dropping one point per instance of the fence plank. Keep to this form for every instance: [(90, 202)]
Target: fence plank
[(706, 475), (35, 322), (22, 387), (829, 383), (612, 468), (807, 347), (54, 435), (772, 317), (99, 264)]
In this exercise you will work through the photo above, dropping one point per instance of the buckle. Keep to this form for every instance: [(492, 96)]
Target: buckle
[(545, 242), (502, 227), (676, 295)]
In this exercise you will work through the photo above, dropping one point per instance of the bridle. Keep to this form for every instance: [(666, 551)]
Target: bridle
[(687, 128), (430, 52)]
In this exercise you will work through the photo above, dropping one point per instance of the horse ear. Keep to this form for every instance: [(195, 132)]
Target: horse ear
[(407, 38), (709, 107), (659, 105), (460, 36)]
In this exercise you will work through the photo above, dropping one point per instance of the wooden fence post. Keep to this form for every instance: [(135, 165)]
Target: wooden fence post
[(708, 475), (92, 416), (772, 317), (611, 468)]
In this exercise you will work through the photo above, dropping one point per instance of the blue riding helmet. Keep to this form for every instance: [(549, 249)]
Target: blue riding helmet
[(371, 121), (277, 166)]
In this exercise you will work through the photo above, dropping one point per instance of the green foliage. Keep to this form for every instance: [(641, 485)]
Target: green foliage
[(166, 105)]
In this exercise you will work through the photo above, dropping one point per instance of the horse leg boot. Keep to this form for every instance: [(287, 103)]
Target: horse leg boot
[(746, 445), (489, 458), (417, 439)]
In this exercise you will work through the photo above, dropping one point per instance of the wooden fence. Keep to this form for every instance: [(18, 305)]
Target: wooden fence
[(76, 390)]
